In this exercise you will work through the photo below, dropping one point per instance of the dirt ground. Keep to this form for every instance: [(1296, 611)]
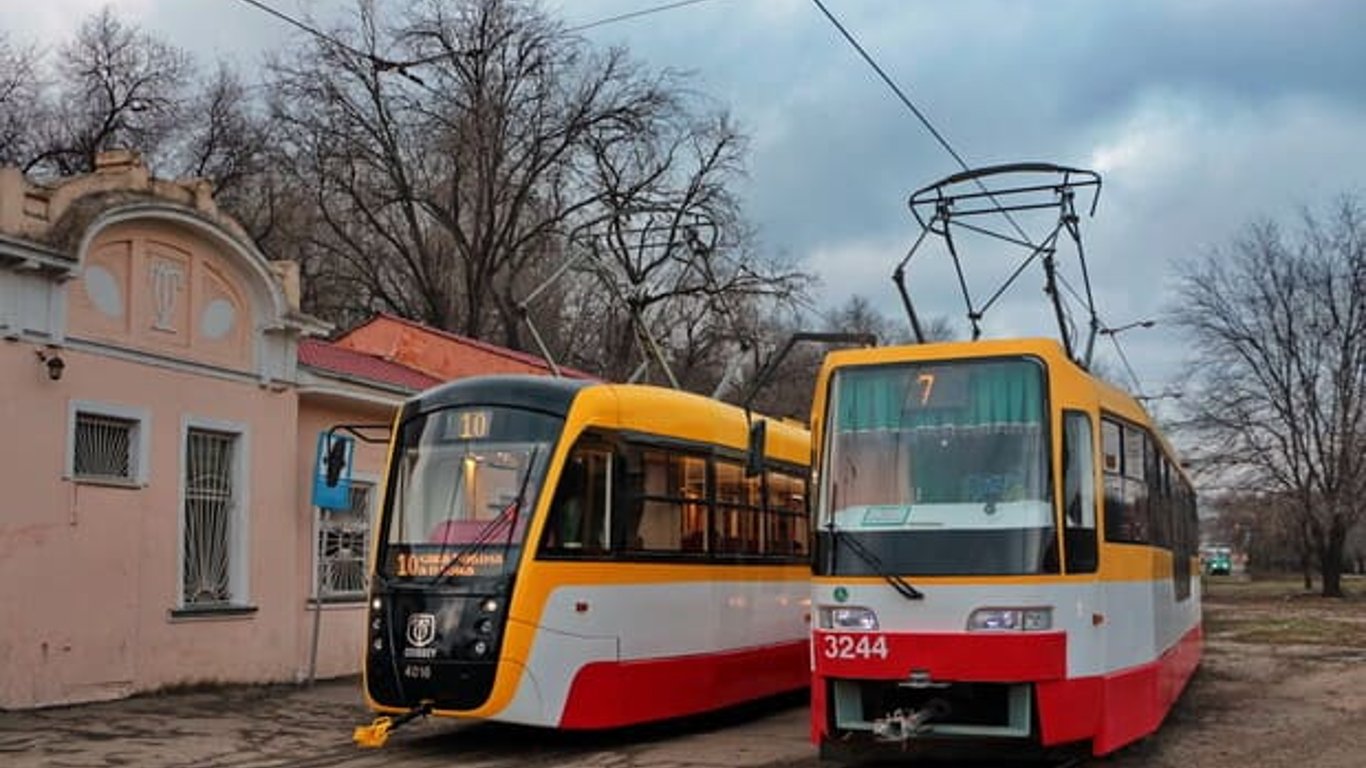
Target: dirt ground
[(1282, 684)]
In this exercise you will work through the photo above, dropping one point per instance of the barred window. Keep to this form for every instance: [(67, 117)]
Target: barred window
[(210, 510), (103, 448), (343, 540)]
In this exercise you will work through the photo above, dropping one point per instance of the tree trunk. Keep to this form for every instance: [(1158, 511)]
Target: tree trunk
[(1330, 560), (1306, 558)]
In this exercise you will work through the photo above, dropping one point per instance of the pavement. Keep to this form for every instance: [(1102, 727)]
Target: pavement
[(305, 727)]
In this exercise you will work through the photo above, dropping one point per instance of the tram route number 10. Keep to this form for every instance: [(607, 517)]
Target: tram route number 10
[(854, 646)]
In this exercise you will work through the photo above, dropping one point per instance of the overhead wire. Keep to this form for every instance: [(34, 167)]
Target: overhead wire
[(400, 67), (943, 141), (924, 120), (1123, 358), (257, 4), (896, 89), (377, 62), (635, 14)]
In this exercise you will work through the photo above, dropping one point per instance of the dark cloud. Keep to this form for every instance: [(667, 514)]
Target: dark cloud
[(1202, 114)]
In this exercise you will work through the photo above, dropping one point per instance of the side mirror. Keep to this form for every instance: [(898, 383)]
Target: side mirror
[(336, 462), (332, 471), (754, 458)]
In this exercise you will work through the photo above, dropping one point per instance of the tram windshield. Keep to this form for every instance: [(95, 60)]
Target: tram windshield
[(938, 469), (466, 481)]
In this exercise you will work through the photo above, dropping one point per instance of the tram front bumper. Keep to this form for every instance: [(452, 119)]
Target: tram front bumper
[(878, 687)]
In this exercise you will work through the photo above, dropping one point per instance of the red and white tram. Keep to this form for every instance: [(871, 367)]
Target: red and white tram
[(1005, 555)]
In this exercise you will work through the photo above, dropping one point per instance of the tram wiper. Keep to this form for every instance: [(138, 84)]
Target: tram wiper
[(508, 516), (865, 554)]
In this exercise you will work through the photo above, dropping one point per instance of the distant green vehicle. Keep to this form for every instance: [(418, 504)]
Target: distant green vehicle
[(1218, 561)]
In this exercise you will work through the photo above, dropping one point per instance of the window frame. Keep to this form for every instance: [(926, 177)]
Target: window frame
[(138, 442), (371, 481), (622, 446), (239, 534), (1074, 533)]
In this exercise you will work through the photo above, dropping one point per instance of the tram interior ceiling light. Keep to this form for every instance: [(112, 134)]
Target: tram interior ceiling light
[(1011, 620), (848, 617), (54, 362)]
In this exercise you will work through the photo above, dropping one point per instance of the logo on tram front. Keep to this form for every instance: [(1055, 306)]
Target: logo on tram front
[(421, 629)]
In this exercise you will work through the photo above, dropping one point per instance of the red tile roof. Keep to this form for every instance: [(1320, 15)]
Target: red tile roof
[(430, 349), (330, 358)]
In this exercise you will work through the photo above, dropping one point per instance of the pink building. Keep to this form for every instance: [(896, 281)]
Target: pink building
[(160, 398)]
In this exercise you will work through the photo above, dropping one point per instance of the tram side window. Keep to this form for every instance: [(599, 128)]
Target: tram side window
[(578, 521), (1159, 510), (1127, 513), (1183, 510), (665, 508), (787, 532), (1080, 493), (738, 500)]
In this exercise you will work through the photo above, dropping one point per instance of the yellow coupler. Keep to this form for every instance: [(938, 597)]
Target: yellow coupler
[(374, 735)]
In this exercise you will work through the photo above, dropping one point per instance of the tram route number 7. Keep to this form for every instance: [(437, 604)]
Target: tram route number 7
[(854, 646)]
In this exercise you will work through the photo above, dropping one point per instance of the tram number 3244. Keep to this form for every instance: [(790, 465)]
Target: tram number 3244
[(854, 646)]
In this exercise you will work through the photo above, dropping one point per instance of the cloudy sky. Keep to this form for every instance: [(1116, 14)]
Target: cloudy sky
[(1202, 115)]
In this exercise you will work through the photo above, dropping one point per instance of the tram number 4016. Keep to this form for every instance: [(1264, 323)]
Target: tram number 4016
[(854, 646)]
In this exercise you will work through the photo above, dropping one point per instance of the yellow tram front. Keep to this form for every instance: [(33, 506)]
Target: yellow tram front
[(468, 464), (571, 554)]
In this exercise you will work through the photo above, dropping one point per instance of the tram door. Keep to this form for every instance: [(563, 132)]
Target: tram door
[(1080, 535)]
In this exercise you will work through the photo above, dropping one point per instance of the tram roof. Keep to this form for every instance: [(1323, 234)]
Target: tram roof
[(542, 393), (556, 395)]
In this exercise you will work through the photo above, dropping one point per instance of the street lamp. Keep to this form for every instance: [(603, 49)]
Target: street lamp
[(1108, 331), (1170, 394)]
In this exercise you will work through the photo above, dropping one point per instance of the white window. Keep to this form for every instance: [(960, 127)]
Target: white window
[(213, 522), (343, 541), (106, 444)]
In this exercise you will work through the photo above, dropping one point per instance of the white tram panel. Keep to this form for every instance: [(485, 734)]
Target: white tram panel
[(945, 609), (650, 621)]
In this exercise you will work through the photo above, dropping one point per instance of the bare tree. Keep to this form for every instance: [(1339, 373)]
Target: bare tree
[(675, 250), (449, 188), (1278, 324), (444, 163), (437, 197), (858, 315), (20, 92), (118, 87), (222, 138)]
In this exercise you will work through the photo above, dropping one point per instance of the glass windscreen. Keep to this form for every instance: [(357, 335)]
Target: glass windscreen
[(466, 480), (939, 468)]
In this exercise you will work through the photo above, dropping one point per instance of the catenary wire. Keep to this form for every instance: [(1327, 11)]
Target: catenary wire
[(938, 136), (307, 28)]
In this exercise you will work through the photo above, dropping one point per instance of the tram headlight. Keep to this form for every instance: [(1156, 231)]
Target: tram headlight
[(847, 617), (1010, 620), (489, 606), (479, 648)]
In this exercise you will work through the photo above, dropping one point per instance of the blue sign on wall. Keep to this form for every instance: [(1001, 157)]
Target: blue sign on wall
[(332, 471)]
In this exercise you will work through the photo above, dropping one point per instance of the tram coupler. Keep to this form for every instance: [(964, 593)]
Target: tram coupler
[(374, 735), (903, 725)]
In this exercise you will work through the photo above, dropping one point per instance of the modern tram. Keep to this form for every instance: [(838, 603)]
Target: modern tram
[(1006, 555), (581, 555)]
